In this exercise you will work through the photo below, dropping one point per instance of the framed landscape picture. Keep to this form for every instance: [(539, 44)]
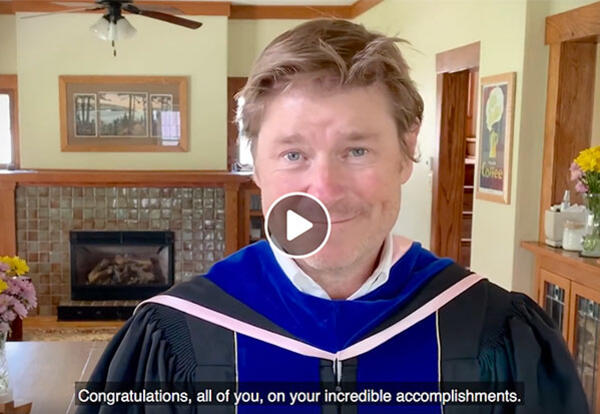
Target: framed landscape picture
[(124, 113), (495, 138)]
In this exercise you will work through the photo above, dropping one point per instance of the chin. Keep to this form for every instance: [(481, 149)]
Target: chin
[(332, 256)]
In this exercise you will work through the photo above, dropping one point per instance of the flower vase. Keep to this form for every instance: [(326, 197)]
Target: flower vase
[(5, 391), (591, 238)]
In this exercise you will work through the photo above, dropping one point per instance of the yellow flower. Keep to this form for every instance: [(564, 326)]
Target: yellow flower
[(17, 266), (589, 160), (20, 266), (3, 286)]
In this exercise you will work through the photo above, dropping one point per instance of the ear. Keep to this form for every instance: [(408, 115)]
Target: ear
[(255, 177), (411, 141)]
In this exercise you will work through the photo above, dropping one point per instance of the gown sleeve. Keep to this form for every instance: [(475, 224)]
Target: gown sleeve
[(152, 347), (532, 351)]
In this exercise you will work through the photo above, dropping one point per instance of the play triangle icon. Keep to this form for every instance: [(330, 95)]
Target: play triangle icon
[(296, 225)]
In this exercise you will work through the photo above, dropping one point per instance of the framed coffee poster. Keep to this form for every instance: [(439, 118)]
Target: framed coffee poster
[(123, 113), (495, 138)]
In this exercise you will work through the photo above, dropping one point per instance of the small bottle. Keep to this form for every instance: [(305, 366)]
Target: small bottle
[(566, 201)]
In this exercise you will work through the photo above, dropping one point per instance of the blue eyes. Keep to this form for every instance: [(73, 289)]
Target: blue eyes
[(292, 156), (358, 152), (353, 152)]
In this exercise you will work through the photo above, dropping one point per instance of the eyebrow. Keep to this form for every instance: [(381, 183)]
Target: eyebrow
[(289, 139), (351, 137)]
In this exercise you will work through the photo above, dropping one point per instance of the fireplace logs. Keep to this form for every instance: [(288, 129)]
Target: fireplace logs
[(124, 270)]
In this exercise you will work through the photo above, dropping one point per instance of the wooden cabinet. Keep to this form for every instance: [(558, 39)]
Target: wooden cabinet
[(553, 297), (584, 339), (568, 289), (251, 220)]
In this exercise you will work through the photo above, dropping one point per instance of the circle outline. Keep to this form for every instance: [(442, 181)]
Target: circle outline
[(320, 203)]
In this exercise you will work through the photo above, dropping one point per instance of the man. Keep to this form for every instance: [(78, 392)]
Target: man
[(331, 112)]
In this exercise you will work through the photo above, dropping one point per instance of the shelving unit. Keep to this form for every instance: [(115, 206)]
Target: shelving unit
[(466, 224), (251, 220)]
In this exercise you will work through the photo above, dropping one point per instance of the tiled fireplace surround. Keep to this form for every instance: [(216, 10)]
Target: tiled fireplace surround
[(46, 213)]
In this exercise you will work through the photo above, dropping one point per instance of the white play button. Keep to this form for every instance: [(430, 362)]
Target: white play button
[(296, 225)]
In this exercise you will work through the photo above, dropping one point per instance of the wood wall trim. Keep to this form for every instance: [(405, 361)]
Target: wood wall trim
[(8, 235), (106, 178), (290, 12), (580, 23), (191, 8), (362, 6), (209, 8), (461, 58)]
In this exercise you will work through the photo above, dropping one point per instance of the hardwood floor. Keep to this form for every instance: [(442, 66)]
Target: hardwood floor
[(49, 322)]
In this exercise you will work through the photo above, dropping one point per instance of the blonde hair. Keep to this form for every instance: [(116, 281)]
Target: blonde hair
[(331, 52)]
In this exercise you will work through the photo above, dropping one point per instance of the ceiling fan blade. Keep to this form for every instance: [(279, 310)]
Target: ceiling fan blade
[(190, 24), (61, 11)]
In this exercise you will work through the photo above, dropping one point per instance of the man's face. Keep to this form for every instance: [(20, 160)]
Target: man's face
[(342, 147)]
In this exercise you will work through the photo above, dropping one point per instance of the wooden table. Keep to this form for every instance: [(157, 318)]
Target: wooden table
[(45, 372)]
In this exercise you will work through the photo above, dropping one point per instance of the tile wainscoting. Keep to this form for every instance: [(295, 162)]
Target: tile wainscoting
[(46, 215), (38, 209)]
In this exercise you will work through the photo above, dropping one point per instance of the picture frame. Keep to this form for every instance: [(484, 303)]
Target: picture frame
[(123, 113), (494, 138)]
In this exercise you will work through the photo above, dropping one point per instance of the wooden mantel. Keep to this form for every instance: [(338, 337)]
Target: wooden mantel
[(9, 180), (583, 270)]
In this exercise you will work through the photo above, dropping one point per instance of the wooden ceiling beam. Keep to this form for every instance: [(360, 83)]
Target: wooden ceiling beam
[(290, 12), (209, 8)]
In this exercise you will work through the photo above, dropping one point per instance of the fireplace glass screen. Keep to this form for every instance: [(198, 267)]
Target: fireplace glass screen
[(120, 265)]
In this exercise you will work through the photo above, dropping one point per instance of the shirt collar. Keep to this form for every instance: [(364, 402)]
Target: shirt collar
[(306, 284)]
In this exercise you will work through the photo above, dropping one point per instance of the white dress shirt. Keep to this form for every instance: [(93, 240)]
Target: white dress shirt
[(306, 284)]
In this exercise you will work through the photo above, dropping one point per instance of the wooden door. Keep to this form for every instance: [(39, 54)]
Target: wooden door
[(584, 339), (449, 166)]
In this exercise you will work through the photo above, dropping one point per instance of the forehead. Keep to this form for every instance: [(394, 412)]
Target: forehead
[(304, 108)]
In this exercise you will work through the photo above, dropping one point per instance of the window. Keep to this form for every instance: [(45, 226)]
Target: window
[(9, 148), (239, 157)]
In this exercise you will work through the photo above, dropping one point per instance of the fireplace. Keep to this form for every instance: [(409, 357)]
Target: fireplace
[(120, 265)]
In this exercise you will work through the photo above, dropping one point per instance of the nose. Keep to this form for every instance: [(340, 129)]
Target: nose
[(326, 181)]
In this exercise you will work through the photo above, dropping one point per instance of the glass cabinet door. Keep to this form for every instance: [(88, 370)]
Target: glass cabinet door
[(585, 337), (554, 298)]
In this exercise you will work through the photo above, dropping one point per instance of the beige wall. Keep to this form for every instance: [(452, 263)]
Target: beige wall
[(596, 113), (247, 38), (62, 45), (8, 44), (222, 48), (433, 27)]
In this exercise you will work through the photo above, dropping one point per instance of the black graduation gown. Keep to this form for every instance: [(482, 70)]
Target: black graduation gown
[(486, 334)]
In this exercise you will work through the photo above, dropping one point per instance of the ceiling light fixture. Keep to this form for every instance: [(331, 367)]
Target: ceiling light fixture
[(113, 26), (109, 30)]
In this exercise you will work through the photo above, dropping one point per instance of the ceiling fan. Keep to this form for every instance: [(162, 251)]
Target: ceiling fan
[(113, 26)]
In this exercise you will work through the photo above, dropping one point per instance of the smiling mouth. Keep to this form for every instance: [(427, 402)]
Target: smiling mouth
[(334, 221)]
